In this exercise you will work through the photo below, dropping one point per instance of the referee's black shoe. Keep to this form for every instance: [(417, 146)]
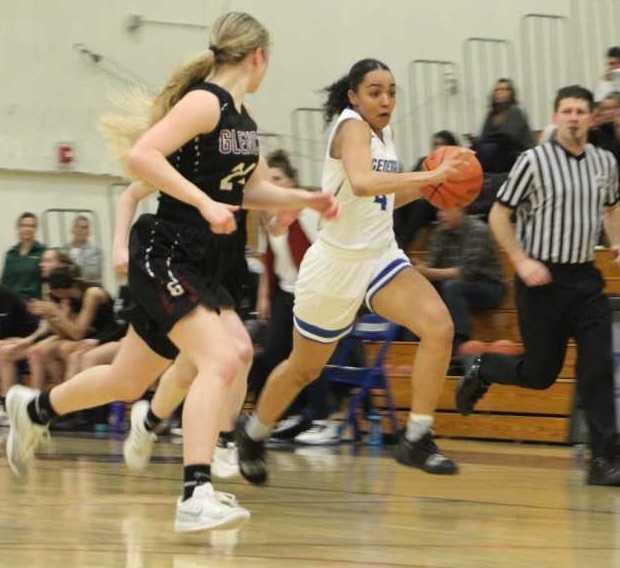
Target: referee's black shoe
[(251, 454), (471, 388), (603, 471), (424, 454)]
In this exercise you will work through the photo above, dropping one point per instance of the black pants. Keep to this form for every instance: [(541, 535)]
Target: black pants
[(278, 340), (573, 305), (313, 400), (461, 297)]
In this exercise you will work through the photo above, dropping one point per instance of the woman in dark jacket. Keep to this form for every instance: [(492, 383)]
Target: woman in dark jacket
[(506, 132)]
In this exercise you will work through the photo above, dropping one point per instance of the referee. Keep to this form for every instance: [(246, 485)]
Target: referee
[(561, 192)]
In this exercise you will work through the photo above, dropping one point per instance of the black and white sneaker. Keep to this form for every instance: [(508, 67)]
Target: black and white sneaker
[(425, 455), (471, 388), (251, 455)]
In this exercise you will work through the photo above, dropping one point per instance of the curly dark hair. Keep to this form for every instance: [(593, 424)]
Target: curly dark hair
[(337, 93)]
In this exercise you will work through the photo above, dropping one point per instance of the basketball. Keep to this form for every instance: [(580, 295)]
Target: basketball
[(462, 188)]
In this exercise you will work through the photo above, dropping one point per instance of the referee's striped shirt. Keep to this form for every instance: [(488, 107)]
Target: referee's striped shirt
[(560, 199)]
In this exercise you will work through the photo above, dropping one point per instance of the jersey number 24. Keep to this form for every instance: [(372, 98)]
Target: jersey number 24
[(237, 175)]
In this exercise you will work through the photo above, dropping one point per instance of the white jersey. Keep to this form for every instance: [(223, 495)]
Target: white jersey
[(365, 223)]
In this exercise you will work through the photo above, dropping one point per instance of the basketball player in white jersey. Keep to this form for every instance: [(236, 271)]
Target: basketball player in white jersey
[(355, 260)]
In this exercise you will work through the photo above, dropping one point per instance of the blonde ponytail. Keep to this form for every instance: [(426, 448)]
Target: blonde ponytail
[(233, 36), (195, 70), (122, 128)]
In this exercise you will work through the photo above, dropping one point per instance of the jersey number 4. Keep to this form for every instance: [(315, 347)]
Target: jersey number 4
[(382, 200), (237, 175)]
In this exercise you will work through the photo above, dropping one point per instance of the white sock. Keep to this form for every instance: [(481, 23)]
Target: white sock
[(418, 425), (256, 430)]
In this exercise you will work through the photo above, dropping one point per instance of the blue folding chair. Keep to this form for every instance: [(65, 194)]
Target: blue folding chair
[(369, 327)]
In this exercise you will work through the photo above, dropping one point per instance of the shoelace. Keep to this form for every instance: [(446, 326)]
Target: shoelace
[(429, 444), (433, 450), (226, 498)]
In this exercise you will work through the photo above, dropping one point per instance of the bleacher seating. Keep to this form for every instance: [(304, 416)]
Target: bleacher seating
[(506, 412)]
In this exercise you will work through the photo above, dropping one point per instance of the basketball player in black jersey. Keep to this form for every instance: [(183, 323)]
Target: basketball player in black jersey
[(201, 152)]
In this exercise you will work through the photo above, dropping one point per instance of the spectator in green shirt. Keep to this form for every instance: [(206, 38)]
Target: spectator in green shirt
[(22, 273)]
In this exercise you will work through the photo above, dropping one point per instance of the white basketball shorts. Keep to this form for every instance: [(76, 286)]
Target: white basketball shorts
[(332, 284)]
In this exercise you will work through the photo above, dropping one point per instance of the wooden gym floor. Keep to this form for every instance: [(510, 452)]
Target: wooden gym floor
[(511, 505)]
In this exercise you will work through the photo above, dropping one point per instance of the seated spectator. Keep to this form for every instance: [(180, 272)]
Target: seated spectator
[(83, 253), (610, 81), (81, 310), (15, 350), (410, 218), (505, 133), (54, 258), (21, 271), (465, 265), (101, 348)]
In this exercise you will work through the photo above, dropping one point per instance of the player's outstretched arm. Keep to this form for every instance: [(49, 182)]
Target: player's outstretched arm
[(260, 193)]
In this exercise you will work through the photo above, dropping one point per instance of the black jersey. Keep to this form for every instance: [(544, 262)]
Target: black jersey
[(104, 315), (219, 163)]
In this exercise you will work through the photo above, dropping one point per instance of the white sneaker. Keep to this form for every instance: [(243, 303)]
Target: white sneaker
[(225, 460), (323, 432), (24, 435), (138, 446), (208, 509)]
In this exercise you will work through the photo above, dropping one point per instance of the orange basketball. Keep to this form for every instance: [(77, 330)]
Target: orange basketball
[(462, 188)]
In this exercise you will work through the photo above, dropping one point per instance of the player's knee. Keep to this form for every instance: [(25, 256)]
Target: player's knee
[(439, 327), (245, 352), (224, 367)]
